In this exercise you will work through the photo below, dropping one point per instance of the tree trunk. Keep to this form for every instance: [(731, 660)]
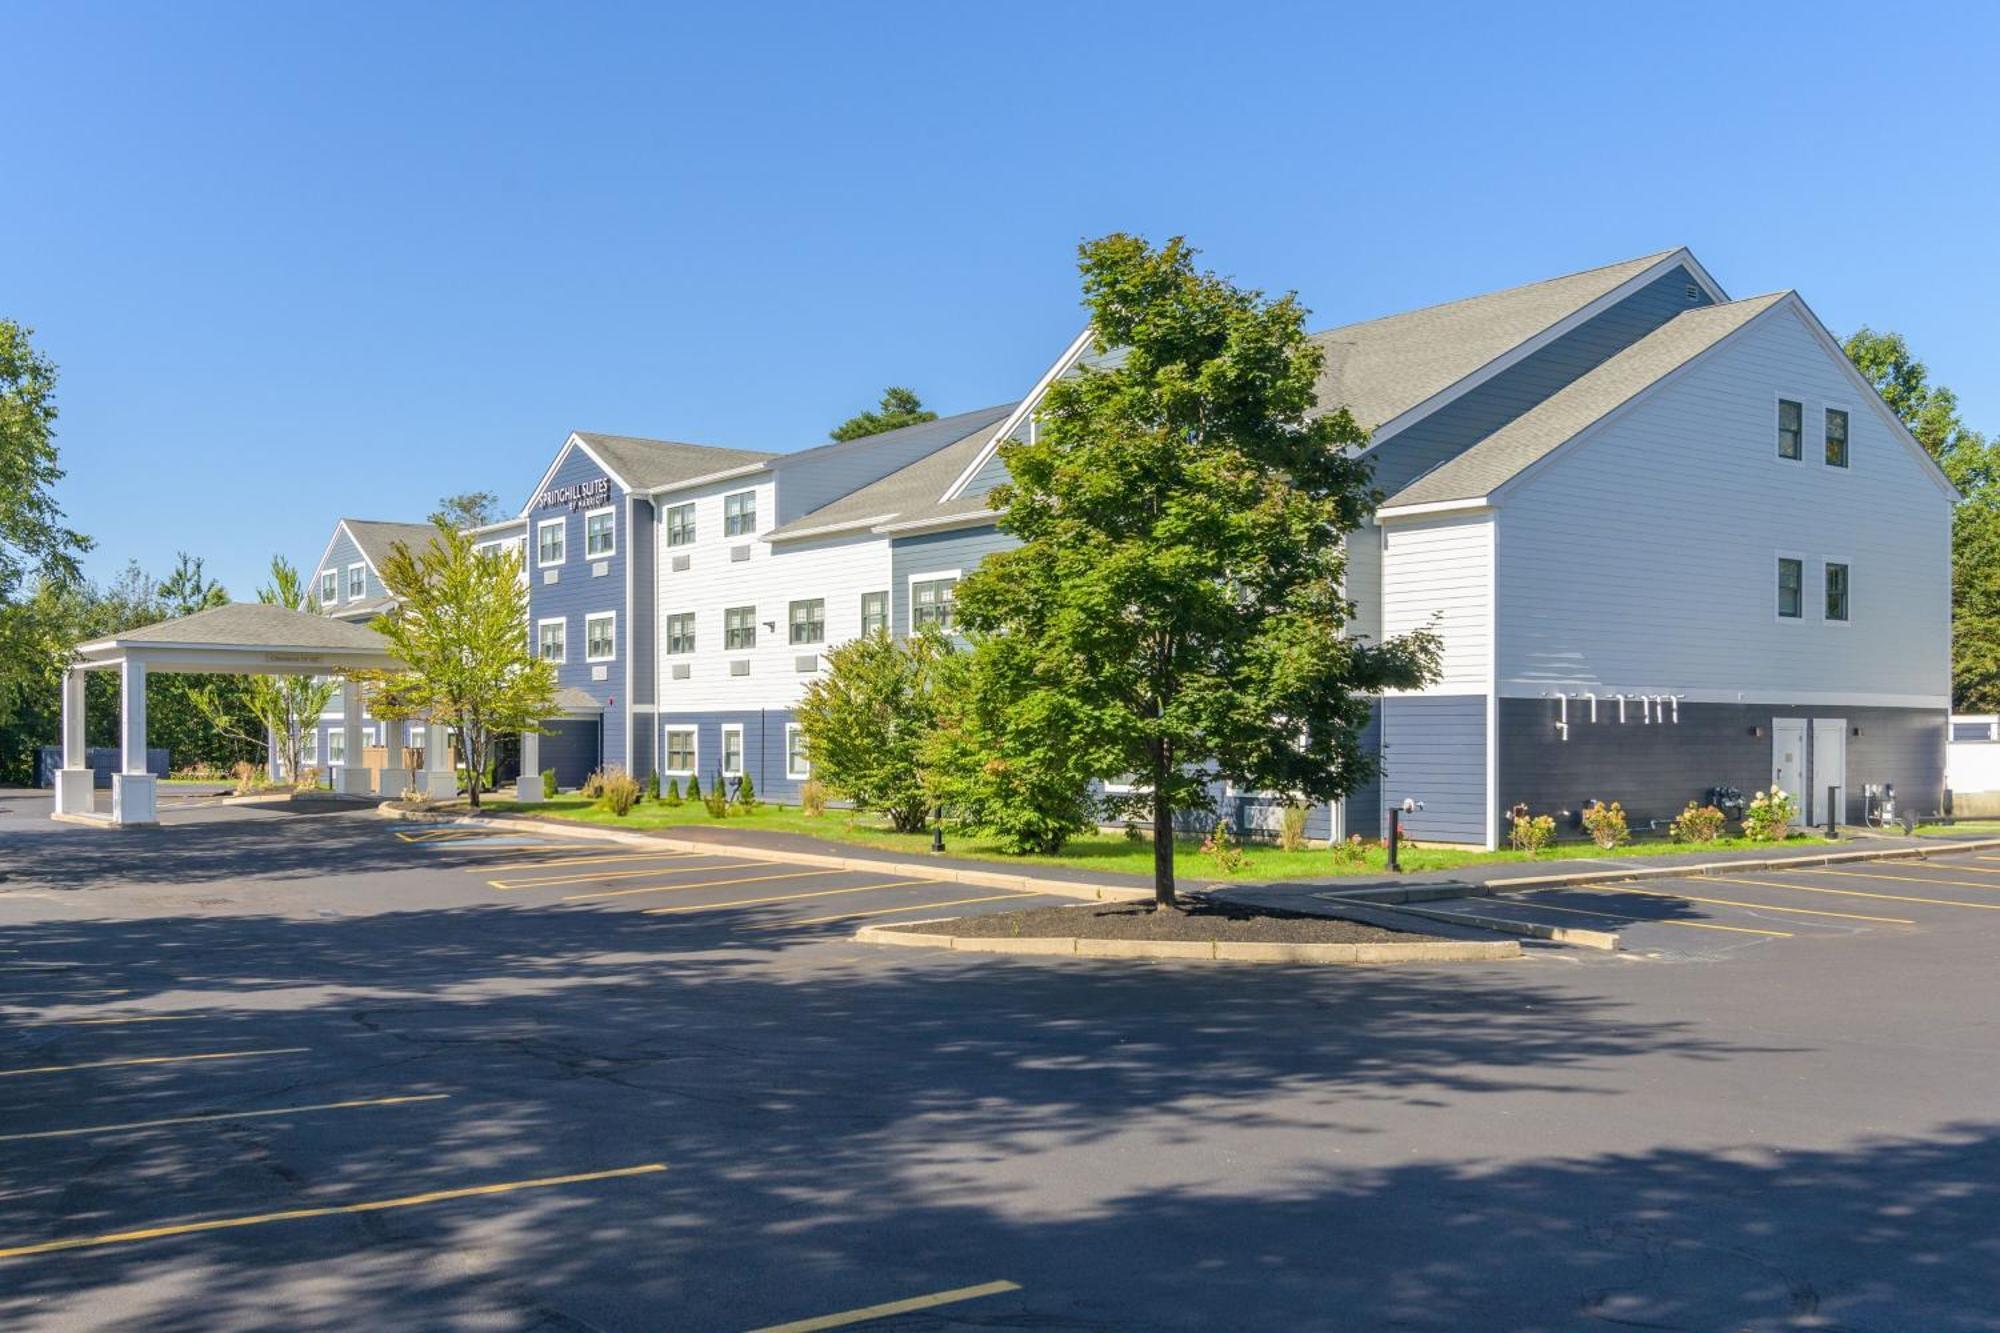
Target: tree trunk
[(1163, 833)]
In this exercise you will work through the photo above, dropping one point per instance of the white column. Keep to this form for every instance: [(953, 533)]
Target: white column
[(440, 776), (74, 780), (132, 794), (352, 778), (389, 782), (528, 788)]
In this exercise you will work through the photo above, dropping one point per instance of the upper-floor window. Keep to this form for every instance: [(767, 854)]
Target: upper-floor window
[(357, 582), (1791, 429), (874, 612), (1836, 437), (600, 636), (739, 514), (931, 602), (329, 586), (739, 628), (1791, 587), (809, 621), (1836, 591), (680, 632), (680, 525), (600, 537), (552, 640), (549, 541)]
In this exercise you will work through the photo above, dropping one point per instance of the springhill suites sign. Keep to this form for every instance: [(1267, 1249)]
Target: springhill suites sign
[(572, 498)]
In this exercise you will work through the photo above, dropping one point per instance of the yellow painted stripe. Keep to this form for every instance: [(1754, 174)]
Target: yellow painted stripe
[(107, 1022), (591, 860), (331, 1210), (221, 1115), (153, 1060), (1760, 907), (1913, 879), (781, 898), (1653, 921), (698, 884), (888, 1308), (591, 877), (1857, 893), (911, 907)]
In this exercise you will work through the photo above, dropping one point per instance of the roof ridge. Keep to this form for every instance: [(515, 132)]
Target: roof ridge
[(1642, 261)]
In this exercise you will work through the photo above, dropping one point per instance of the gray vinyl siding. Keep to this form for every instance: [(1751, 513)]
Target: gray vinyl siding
[(991, 473), (340, 555), (939, 552), (1459, 425), (763, 748), (643, 639), (578, 593), (1434, 751)]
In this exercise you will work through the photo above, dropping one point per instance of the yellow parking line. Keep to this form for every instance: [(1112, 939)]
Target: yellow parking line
[(911, 907), (1760, 907), (330, 1210), (885, 1310), (553, 881), (1910, 879), (221, 1115), (1653, 921), (152, 1060), (1857, 893), (781, 898), (698, 884), (595, 858)]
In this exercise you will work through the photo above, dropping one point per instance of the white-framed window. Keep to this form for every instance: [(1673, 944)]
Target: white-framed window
[(1836, 437), (1837, 582), (1791, 587), (732, 751), (797, 765), (680, 525), (808, 621), (552, 639), (329, 586), (415, 733), (931, 600), (357, 582), (600, 533), (739, 629), (739, 514), (309, 746), (680, 751), (680, 633), (550, 545), (874, 612), (371, 735), (600, 636), (336, 745), (1791, 429)]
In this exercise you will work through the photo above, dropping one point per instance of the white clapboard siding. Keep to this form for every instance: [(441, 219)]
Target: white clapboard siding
[(1437, 573)]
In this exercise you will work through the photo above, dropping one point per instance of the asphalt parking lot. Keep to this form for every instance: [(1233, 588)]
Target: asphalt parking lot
[(280, 1070)]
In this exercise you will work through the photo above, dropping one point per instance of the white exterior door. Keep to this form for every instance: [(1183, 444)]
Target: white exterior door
[(1829, 768), (1788, 756)]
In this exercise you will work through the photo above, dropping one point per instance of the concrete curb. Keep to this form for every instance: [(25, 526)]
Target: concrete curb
[(1574, 936), (943, 873), (1428, 951)]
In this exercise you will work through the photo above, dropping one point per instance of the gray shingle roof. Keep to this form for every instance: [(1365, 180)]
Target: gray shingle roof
[(1542, 429), (644, 463), (255, 625), (1382, 368), (912, 491), (375, 537)]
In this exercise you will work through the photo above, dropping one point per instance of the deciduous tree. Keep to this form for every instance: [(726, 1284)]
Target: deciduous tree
[(273, 710), (866, 721)]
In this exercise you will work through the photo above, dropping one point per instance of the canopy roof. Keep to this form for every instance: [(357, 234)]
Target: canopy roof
[(246, 637)]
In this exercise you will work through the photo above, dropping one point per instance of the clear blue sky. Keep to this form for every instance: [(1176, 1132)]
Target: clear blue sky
[(300, 261)]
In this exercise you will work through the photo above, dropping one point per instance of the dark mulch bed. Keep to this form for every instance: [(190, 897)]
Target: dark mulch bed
[(1230, 922)]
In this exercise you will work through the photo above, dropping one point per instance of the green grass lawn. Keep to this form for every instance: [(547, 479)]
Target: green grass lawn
[(1097, 851), (1965, 828)]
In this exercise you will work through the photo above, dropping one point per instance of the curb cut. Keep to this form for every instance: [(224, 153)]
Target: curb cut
[(1430, 951), (1574, 936), (944, 874)]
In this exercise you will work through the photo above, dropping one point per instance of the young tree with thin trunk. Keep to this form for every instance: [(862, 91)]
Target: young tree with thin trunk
[(286, 707), (461, 626), (1181, 515)]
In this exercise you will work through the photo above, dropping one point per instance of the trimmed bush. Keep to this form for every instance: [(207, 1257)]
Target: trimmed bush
[(548, 784), (694, 789), (717, 799), (1606, 824), (1769, 816), (746, 794), (1697, 823), (1530, 833), (653, 785), (673, 796)]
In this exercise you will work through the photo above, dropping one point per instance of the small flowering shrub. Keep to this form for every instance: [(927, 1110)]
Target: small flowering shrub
[(1530, 833), (1351, 852), (1697, 823), (1769, 816), (1606, 824), (1222, 848)]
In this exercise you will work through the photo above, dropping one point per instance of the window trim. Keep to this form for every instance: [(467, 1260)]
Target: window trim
[(888, 611), (727, 646), (588, 514), (727, 771), (1777, 599), (956, 576), (309, 746), (331, 733), (791, 625), (543, 525), (667, 648), (353, 596), (561, 659), (590, 616), (694, 751), (667, 525), (1778, 402), (1826, 414), (794, 730), (333, 576), (1847, 594), (728, 518)]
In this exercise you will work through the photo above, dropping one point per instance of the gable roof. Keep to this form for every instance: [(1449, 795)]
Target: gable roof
[(913, 492), (249, 625), (1551, 423), (1381, 369), (374, 538), (640, 464)]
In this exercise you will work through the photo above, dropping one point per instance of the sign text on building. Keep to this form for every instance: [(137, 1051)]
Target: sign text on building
[(575, 497)]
